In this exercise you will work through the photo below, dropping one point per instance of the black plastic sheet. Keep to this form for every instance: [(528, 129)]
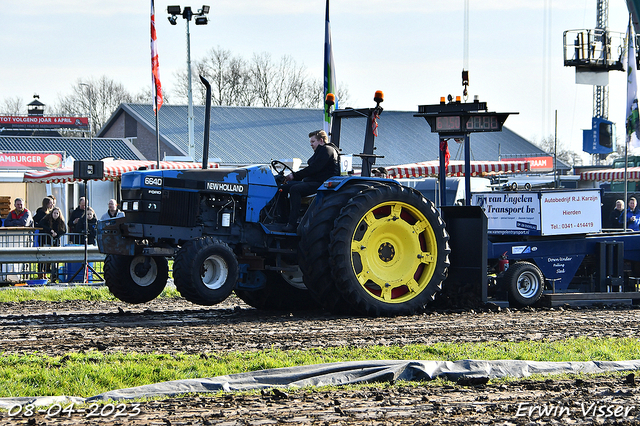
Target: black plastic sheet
[(342, 373)]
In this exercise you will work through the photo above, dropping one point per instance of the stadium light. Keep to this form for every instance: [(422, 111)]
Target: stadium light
[(187, 14)]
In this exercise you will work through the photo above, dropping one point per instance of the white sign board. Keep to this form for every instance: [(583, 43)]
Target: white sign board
[(571, 212), (541, 213), (510, 213)]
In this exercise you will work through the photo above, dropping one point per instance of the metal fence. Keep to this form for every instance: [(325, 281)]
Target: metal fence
[(26, 255)]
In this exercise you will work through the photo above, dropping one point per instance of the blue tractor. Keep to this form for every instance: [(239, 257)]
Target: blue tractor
[(364, 245)]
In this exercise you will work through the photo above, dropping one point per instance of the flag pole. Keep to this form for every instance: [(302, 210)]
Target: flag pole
[(329, 74), (155, 78), (626, 160), (627, 138), (631, 122), (155, 100)]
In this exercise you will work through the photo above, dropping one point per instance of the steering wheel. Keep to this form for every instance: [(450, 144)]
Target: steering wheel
[(279, 167)]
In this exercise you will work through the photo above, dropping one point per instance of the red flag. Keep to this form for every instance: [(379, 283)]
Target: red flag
[(155, 66), (444, 146)]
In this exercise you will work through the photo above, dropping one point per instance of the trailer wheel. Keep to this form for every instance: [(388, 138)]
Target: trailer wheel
[(313, 250), (205, 271), (524, 283), (280, 293), (390, 251), (135, 279)]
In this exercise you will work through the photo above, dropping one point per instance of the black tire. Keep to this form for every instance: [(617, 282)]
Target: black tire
[(390, 251), (282, 292), (524, 282), (205, 271), (313, 251), (130, 280)]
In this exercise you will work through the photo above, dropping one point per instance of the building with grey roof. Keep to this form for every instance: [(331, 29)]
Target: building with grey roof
[(250, 135), (78, 148)]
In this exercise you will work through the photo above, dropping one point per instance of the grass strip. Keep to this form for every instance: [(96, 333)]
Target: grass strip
[(87, 374), (101, 293)]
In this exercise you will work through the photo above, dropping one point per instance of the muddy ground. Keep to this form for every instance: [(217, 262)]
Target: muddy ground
[(176, 326)]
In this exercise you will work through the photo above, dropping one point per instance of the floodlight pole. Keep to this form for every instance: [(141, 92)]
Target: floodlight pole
[(187, 14), (192, 146)]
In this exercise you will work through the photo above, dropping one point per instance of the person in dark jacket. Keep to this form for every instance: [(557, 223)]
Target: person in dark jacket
[(615, 216), (76, 214), (323, 164), (41, 212), (53, 224), (92, 222)]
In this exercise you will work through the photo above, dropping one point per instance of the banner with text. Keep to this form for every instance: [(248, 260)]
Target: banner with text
[(536, 164), (29, 160), (510, 213), (571, 212), (541, 213), (39, 122)]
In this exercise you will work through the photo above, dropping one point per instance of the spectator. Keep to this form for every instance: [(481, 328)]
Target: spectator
[(74, 218), (615, 217), (53, 224), (20, 216), (633, 215), (113, 212), (91, 222), (41, 212)]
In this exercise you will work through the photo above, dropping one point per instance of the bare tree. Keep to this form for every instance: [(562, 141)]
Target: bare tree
[(277, 85), (145, 96), (13, 106), (565, 155), (229, 78), (98, 98), (313, 96), (260, 81)]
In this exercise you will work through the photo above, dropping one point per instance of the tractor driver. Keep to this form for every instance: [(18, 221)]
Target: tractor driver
[(323, 164)]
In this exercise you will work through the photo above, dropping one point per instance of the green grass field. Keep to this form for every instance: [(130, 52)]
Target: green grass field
[(92, 373), (87, 374)]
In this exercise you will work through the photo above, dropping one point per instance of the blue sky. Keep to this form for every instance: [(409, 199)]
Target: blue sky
[(410, 49)]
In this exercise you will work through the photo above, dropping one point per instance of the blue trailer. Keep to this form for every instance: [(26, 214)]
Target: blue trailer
[(540, 247)]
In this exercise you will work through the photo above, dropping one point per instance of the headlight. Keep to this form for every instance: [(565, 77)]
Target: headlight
[(135, 205), (125, 205)]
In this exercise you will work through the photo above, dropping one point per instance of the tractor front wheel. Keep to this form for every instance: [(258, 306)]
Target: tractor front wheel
[(205, 271), (135, 279)]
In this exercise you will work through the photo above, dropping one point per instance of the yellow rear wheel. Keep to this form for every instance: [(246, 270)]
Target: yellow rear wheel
[(394, 252), (390, 249)]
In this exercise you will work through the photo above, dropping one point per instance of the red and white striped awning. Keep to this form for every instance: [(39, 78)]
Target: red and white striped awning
[(113, 169), (456, 168), (608, 175)]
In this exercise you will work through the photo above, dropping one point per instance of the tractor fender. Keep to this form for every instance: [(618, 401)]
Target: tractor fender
[(338, 182)]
